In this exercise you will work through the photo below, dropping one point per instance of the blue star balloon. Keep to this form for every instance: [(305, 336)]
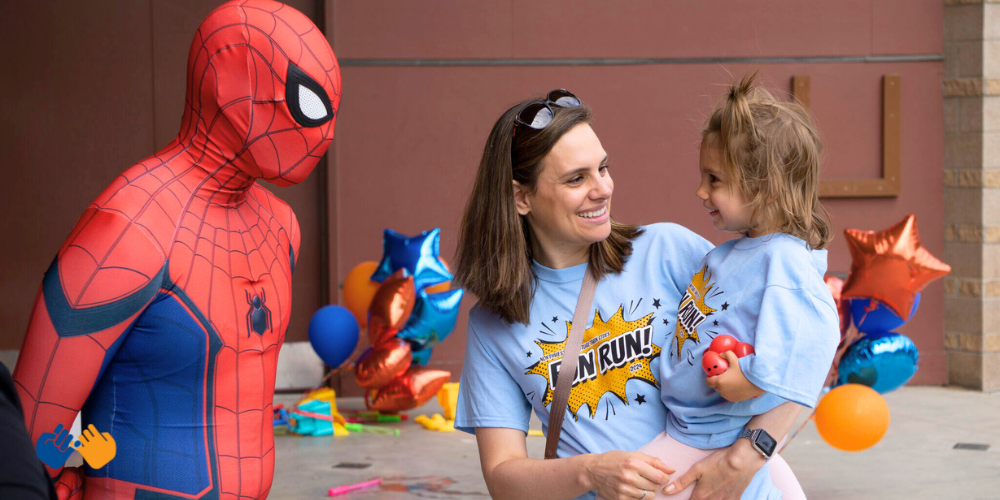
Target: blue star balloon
[(422, 357), (883, 362), (433, 318), (418, 254)]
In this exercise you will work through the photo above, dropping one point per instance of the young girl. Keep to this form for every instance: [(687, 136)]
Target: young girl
[(759, 178)]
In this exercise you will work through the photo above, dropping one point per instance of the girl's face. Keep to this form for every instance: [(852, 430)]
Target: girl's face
[(570, 206), (722, 198)]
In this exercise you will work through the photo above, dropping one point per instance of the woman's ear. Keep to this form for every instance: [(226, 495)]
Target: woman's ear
[(521, 199)]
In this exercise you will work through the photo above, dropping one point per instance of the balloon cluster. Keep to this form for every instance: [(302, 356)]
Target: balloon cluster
[(408, 307), (882, 292)]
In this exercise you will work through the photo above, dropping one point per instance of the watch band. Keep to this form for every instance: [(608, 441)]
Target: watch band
[(755, 436)]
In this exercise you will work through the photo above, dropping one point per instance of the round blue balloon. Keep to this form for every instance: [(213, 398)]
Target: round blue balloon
[(883, 361), (333, 333), (878, 320)]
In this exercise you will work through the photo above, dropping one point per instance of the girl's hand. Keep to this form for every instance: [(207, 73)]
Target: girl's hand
[(722, 475), (622, 475), (733, 385)]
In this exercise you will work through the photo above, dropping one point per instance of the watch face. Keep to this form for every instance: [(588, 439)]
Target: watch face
[(765, 443)]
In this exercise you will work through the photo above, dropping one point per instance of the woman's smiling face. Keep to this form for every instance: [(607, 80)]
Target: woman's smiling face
[(570, 206)]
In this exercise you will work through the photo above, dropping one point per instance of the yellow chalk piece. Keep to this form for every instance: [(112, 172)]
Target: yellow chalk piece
[(435, 423), (448, 398), (340, 430), (535, 432), (424, 421)]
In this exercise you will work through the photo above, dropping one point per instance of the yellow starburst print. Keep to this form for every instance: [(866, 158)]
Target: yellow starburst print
[(613, 352), (692, 309)]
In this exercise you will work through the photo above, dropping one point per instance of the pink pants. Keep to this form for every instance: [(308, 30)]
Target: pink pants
[(682, 457)]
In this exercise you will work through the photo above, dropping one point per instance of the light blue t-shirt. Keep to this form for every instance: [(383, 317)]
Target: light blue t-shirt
[(769, 292), (614, 405)]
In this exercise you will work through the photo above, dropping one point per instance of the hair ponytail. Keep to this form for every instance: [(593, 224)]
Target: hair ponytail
[(771, 151)]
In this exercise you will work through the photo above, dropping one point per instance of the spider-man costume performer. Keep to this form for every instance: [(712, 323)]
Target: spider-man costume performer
[(163, 312)]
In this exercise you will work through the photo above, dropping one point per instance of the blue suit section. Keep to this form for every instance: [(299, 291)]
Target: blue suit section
[(154, 400)]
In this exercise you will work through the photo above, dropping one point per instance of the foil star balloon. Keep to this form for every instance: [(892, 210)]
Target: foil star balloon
[(417, 254), (890, 265), (836, 285), (433, 318), (409, 389), (380, 365), (391, 307)]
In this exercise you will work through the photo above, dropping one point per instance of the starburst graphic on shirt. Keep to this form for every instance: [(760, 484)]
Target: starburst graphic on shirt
[(613, 352), (692, 310)]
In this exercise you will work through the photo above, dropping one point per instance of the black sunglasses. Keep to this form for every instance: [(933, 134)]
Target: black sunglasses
[(538, 115)]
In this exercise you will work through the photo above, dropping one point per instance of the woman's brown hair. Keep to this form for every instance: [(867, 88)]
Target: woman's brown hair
[(494, 254), (771, 150)]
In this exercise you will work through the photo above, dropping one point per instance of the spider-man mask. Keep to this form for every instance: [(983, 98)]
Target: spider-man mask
[(263, 91)]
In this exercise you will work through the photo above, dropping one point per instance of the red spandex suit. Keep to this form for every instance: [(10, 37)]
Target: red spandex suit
[(162, 315)]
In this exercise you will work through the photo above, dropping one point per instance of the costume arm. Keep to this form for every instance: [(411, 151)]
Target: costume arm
[(104, 276)]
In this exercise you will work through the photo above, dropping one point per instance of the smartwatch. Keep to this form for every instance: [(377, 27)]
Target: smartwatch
[(761, 441)]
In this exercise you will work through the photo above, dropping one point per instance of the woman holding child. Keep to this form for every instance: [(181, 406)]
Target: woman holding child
[(537, 221)]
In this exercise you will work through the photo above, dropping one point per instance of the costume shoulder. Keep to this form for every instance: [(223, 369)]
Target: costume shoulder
[(108, 269)]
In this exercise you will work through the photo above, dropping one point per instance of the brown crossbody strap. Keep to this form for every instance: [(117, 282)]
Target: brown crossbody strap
[(567, 368)]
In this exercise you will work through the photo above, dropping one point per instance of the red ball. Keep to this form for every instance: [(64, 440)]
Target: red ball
[(743, 349), (723, 343), (713, 363)]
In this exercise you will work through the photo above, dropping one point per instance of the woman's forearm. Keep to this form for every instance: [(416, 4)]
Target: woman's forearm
[(529, 478), (510, 474), (778, 421)]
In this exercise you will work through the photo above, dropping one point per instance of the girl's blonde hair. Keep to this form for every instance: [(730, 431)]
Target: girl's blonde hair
[(771, 151)]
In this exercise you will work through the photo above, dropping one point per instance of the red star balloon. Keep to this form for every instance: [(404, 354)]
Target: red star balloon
[(391, 307), (890, 265)]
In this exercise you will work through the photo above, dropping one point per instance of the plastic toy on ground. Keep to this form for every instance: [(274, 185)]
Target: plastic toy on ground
[(448, 399), (435, 423), (317, 415)]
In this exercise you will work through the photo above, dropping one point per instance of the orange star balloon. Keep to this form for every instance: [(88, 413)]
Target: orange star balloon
[(890, 265)]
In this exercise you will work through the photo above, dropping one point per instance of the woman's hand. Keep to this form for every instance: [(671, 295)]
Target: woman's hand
[(622, 475), (722, 475)]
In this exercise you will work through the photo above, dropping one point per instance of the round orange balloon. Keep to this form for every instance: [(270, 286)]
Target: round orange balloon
[(359, 290), (441, 287), (852, 417)]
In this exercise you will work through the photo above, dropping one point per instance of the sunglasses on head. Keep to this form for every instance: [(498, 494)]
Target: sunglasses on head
[(538, 115)]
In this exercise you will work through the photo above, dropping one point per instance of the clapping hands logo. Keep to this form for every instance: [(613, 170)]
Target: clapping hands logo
[(97, 448), (53, 447)]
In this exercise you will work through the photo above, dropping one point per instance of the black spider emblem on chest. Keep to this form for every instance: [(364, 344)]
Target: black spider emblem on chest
[(259, 316)]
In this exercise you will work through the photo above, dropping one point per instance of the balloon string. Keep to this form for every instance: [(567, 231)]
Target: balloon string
[(348, 364), (850, 336)]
